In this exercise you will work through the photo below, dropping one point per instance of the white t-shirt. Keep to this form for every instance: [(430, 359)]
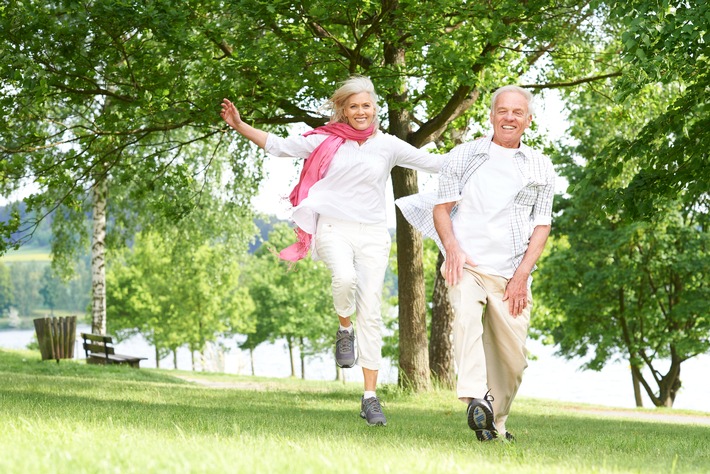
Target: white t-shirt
[(353, 188), (484, 212)]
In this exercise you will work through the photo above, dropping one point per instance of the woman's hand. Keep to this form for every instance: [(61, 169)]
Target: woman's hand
[(230, 114)]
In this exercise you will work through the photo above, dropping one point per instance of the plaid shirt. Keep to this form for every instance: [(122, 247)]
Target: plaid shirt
[(532, 205)]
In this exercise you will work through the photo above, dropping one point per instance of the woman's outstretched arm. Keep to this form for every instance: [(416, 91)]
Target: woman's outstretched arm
[(230, 114)]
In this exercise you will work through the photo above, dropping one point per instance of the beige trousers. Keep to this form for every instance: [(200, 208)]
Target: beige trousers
[(489, 343)]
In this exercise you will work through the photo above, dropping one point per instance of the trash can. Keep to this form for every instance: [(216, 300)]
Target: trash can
[(56, 337)]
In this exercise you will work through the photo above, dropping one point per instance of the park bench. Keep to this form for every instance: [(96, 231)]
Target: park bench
[(99, 350)]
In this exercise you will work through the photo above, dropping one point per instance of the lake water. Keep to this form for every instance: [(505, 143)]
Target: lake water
[(547, 376)]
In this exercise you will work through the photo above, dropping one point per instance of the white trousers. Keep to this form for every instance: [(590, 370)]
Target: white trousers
[(489, 343), (357, 255)]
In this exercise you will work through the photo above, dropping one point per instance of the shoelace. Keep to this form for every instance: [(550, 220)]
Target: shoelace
[(373, 404), (488, 397), (345, 343)]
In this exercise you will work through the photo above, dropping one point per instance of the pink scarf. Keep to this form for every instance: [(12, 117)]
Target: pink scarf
[(314, 168)]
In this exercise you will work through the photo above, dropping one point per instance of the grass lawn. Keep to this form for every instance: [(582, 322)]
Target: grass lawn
[(75, 418)]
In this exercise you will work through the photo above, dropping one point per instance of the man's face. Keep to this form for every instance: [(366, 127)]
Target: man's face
[(510, 118)]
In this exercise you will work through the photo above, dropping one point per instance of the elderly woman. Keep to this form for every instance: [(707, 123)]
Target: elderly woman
[(340, 212)]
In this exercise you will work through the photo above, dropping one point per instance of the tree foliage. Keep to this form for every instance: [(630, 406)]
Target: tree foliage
[(177, 295), (294, 304), (665, 43), (7, 291), (120, 96), (617, 286), (116, 118)]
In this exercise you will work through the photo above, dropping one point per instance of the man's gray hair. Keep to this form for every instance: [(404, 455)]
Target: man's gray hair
[(524, 92)]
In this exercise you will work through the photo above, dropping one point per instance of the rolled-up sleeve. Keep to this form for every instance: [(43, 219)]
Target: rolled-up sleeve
[(450, 182), (542, 210)]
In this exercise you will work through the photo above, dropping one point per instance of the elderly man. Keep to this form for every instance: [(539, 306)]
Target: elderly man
[(491, 219)]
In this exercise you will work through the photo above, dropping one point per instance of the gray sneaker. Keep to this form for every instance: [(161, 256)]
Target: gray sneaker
[(371, 411), (345, 349), (480, 418)]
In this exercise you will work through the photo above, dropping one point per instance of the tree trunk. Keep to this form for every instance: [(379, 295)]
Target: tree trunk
[(290, 356), (98, 252), (413, 345), (637, 387), (175, 359), (413, 350), (251, 360), (670, 383), (303, 360), (157, 357), (441, 350)]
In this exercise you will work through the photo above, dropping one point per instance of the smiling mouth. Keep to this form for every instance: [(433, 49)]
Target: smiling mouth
[(508, 127)]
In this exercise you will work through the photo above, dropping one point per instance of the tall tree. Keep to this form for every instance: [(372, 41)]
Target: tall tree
[(431, 70), (650, 174), (101, 122), (618, 286), (177, 294)]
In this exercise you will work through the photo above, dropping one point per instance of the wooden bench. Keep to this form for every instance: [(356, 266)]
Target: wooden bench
[(99, 350)]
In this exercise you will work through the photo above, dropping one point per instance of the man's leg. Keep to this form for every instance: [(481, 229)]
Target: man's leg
[(504, 339), (467, 300)]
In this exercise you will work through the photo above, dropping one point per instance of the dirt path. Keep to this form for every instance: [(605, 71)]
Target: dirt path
[(679, 418)]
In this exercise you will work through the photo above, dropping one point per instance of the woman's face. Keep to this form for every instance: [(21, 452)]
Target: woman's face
[(359, 110)]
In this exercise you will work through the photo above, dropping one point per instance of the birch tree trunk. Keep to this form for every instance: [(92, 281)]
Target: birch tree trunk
[(98, 254)]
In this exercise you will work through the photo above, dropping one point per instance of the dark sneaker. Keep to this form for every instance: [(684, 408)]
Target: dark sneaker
[(345, 349), (509, 436), (371, 411), (480, 418)]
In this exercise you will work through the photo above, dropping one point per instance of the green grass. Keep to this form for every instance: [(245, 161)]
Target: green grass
[(75, 418), (29, 254)]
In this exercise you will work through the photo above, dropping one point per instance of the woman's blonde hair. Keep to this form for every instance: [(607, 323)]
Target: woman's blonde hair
[(353, 85)]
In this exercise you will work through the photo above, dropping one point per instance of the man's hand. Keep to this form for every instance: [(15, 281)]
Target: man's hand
[(455, 256), (454, 263), (516, 293)]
